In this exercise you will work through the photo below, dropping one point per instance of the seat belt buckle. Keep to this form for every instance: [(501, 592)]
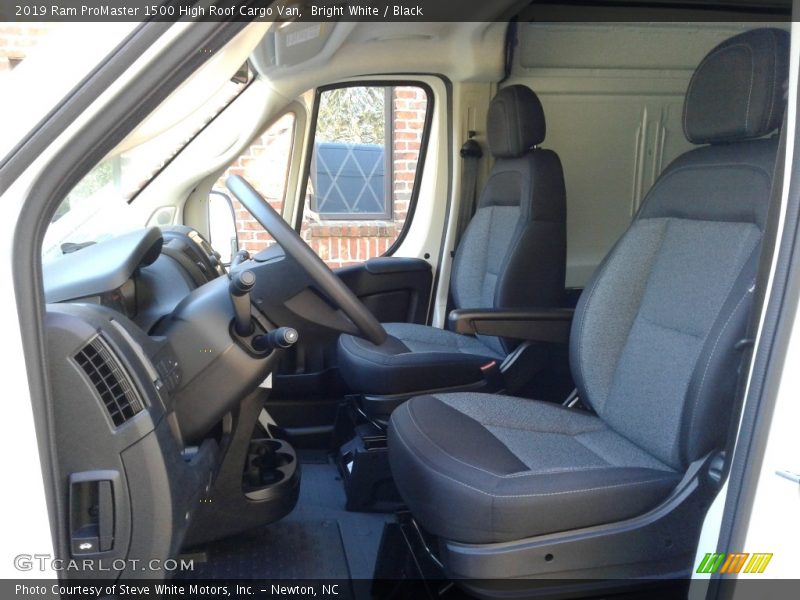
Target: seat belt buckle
[(492, 375)]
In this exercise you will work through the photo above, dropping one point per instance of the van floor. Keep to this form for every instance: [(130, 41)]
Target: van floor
[(319, 539)]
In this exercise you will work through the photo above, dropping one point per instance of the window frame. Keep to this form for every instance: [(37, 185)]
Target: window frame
[(290, 109), (421, 158), (388, 185), (293, 108)]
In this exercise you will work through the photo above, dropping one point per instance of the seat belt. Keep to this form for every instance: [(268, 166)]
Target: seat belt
[(471, 155)]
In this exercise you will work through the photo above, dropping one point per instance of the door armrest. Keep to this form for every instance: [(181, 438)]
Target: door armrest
[(535, 325), (395, 264)]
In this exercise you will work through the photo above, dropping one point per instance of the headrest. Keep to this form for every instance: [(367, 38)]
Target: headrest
[(737, 91), (515, 122)]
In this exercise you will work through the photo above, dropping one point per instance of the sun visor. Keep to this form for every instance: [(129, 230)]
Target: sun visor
[(291, 43)]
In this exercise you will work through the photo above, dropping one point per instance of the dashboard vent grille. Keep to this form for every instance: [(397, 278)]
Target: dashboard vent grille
[(110, 380)]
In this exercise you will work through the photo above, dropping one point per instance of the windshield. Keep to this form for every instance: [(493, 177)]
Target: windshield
[(98, 207)]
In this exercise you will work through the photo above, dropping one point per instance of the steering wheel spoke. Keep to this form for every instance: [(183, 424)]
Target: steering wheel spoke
[(293, 245)]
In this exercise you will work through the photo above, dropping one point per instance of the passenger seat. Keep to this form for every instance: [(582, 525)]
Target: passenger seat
[(512, 255)]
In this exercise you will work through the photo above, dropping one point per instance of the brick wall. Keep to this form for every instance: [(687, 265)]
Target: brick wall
[(264, 166), (338, 242), (409, 105), (17, 40)]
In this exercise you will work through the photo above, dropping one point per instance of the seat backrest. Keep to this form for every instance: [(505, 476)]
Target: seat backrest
[(513, 252), (653, 340)]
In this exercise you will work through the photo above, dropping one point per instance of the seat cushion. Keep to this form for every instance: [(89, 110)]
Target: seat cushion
[(413, 358), (480, 468)]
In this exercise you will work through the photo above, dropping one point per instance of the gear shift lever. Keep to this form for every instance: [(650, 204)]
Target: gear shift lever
[(240, 285)]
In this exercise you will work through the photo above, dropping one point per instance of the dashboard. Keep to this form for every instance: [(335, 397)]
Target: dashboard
[(155, 355), (121, 299), (135, 326), (141, 275)]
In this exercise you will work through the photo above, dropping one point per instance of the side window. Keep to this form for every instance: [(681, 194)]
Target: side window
[(265, 165), (364, 164)]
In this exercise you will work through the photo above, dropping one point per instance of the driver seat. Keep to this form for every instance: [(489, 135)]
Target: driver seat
[(653, 352), (512, 255)]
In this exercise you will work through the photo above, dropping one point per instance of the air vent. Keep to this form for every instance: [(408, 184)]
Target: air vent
[(110, 380)]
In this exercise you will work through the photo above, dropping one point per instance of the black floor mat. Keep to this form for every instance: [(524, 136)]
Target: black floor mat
[(322, 497), (313, 457), (319, 539), (283, 550)]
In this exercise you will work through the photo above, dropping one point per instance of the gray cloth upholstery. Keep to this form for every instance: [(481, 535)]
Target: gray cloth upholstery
[(515, 122), (514, 250), (652, 348), (480, 469), (666, 293), (737, 91), (512, 255)]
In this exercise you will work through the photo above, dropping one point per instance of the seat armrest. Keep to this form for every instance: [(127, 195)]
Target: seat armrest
[(535, 325)]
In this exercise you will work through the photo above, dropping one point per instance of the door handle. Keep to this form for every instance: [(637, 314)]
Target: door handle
[(91, 511)]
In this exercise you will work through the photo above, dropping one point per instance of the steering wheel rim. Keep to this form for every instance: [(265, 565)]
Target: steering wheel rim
[(365, 322)]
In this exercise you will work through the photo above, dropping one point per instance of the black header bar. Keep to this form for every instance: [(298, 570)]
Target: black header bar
[(408, 11)]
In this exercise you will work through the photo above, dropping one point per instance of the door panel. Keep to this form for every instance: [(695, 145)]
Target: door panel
[(394, 289), (307, 384), (361, 183)]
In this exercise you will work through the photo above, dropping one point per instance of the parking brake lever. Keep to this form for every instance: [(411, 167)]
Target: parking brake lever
[(239, 287)]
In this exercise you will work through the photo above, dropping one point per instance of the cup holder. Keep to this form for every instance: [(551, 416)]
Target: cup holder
[(269, 463)]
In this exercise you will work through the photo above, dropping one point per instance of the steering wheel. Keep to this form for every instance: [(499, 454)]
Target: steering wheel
[(367, 325)]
